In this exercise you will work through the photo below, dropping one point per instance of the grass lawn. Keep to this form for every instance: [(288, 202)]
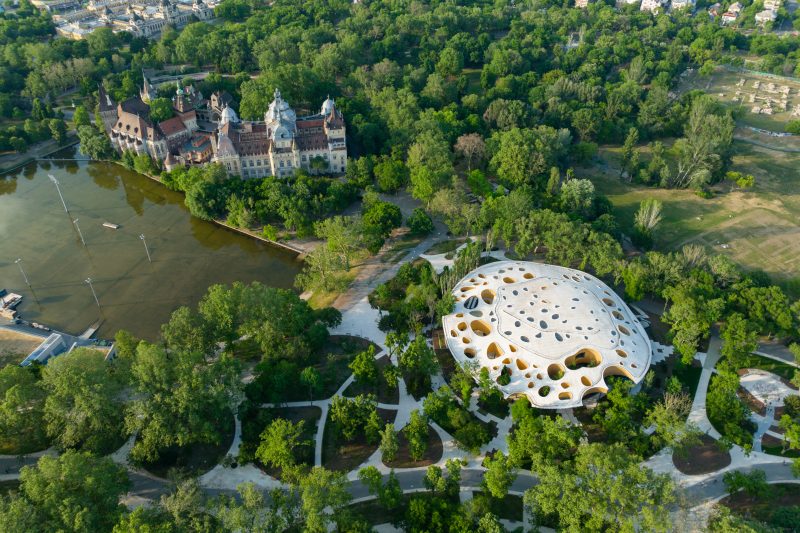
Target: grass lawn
[(508, 507), (322, 299), (381, 390), (400, 248), (770, 365), (703, 458), (758, 228), (195, 459), (345, 456), (444, 247), (433, 453), (763, 508)]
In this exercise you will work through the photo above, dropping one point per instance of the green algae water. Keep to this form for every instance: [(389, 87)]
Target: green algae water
[(188, 254)]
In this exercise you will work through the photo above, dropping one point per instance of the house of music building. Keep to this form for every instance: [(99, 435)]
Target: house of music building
[(203, 131), (549, 333)]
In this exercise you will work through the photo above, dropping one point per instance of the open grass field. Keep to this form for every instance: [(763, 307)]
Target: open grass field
[(14, 346), (752, 94), (758, 228)]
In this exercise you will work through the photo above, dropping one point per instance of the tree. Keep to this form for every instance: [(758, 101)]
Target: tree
[(524, 156), (160, 109), (472, 147), (703, 150), (389, 494), (352, 415), (540, 440), (253, 512), (430, 165), (58, 130), (739, 340), (671, 427), (499, 475), (754, 483), (75, 491), (279, 440), (390, 174), (419, 222), (311, 378), (418, 363), (149, 519), (187, 331), (647, 218), (22, 400), (180, 399), (390, 444), (416, 432), (80, 117), (83, 408), (577, 196), (319, 490), (630, 156), (94, 144), (606, 487)]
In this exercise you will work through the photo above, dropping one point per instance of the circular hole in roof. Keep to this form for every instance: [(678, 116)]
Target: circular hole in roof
[(623, 330), (516, 324), (462, 326), (544, 391), (509, 280), (453, 333), (559, 338), (476, 313), (470, 352), (466, 340), (543, 324), (617, 315), (622, 353), (528, 276), (523, 338), (608, 301), (555, 316), (585, 381)]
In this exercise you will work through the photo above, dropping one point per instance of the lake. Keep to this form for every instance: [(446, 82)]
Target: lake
[(188, 254)]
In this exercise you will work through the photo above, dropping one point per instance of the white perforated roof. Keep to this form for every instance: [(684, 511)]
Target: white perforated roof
[(555, 332)]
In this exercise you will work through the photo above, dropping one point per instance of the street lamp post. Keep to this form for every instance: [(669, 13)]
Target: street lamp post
[(80, 234), (89, 281), (146, 249), (25, 276), (55, 182)]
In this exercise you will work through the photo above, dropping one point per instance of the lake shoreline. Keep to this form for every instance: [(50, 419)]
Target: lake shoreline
[(301, 248)]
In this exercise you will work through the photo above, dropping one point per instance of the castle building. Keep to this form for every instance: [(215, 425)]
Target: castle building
[(282, 143), (203, 131)]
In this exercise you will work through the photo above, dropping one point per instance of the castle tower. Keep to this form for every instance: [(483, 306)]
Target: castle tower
[(148, 91), (107, 108)]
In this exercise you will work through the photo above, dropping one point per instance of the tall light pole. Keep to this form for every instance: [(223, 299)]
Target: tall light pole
[(55, 182), (19, 264), (89, 281), (147, 251), (79, 231)]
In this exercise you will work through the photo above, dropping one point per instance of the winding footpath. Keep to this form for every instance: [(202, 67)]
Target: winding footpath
[(361, 320)]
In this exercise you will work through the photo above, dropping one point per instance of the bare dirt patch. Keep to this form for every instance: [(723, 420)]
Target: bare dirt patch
[(702, 459)]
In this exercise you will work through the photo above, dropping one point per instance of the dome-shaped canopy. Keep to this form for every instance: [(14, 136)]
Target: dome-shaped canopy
[(228, 115), (327, 106)]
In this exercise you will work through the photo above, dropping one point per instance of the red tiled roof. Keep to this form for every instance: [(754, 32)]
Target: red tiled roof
[(172, 126)]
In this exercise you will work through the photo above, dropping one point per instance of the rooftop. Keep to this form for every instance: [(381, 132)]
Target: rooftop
[(547, 332)]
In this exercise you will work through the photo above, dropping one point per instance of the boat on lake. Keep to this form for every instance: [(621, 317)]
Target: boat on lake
[(111, 225)]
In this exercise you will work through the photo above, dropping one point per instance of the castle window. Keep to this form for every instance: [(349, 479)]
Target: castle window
[(281, 164)]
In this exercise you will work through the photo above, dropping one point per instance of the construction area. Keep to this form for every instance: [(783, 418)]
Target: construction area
[(768, 102)]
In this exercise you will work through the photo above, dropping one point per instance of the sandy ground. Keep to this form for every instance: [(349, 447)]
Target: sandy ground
[(14, 346)]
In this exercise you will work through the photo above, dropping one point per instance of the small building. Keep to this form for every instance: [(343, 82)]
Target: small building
[(728, 18), (714, 10), (766, 16), (735, 7), (653, 6), (581, 3), (772, 5), (682, 4)]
